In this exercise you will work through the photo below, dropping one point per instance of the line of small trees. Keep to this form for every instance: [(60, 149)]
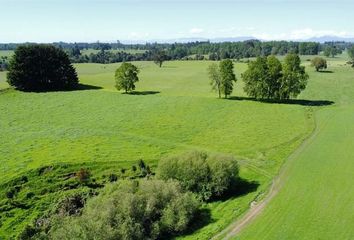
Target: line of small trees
[(222, 77), (265, 78)]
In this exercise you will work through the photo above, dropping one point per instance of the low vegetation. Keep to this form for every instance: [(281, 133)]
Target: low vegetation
[(206, 175), (145, 209)]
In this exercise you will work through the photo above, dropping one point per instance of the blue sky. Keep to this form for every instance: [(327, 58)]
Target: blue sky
[(92, 20)]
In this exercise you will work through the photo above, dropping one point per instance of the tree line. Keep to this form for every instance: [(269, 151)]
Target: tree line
[(191, 51), (265, 78)]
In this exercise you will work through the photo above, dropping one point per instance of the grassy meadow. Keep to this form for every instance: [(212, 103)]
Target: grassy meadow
[(316, 199), (172, 111)]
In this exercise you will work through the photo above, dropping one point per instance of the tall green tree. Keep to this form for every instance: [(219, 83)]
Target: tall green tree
[(159, 56), (294, 78), (256, 78), (274, 77), (215, 78), (126, 76), (267, 78), (227, 76), (41, 67)]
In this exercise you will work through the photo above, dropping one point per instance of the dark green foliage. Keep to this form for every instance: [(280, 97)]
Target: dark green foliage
[(159, 56), (207, 175), (3, 63), (319, 63), (256, 78), (134, 168), (112, 177), (147, 209), (27, 233), (294, 77), (227, 76), (126, 76), (11, 193), (141, 164), (266, 78), (41, 68), (332, 51), (351, 54)]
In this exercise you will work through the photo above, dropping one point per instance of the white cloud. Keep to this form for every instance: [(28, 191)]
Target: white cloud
[(138, 35), (196, 30), (299, 34)]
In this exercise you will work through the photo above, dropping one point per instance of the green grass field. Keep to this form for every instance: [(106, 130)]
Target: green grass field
[(316, 200), (172, 111)]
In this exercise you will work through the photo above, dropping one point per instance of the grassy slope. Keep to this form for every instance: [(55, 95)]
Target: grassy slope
[(113, 130), (316, 201)]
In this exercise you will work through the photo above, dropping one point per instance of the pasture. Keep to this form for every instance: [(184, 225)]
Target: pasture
[(315, 201), (173, 110)]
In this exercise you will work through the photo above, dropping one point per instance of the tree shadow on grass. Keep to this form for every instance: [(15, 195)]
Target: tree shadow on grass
[(79, 87), (290, 101), (143, 92), (240, 188), (86, 87), (326, 71)]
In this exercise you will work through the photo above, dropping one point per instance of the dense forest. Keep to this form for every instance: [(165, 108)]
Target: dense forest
[(190, 51)]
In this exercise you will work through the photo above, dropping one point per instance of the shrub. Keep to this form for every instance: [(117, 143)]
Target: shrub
[(71, 205), (10, 193), (41, 68), (208, 176), (83, 175), (147, 209), (112, 177), (319, 63)]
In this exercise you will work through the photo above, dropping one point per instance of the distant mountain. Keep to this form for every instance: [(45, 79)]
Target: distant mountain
[(232, 39), (330, 39)]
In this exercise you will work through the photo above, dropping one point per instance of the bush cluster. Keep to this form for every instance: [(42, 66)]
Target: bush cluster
[(146, 209), (207, 175)]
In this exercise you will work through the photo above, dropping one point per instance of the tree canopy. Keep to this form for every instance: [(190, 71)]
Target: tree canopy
[(215, 78), (206, 175), (146, 209), (294, 77), (159, 56), (126, 76), (267, 78), (227, 76), (41, 68)]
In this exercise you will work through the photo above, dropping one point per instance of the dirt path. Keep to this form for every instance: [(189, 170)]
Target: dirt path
[(256, 208)]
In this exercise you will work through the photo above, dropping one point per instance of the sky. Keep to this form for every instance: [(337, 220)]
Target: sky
[(139, 20)]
